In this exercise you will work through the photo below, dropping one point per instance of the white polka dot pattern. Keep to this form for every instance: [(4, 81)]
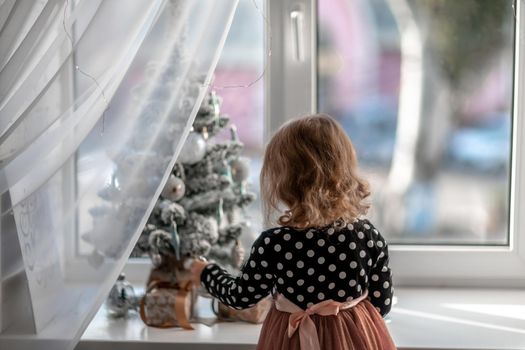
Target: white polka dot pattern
[(309, 267)]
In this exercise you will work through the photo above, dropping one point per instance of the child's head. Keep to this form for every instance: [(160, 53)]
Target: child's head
[(310, 166)]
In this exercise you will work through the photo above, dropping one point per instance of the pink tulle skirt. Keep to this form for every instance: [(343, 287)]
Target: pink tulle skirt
[(357, 328)]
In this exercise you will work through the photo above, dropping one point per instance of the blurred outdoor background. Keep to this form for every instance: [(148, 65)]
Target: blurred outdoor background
[(424, 90)]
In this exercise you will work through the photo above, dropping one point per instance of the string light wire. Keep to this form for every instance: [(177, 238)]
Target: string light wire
[(80, 70), (269, 54)]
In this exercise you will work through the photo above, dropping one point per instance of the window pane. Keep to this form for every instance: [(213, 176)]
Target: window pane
[(424, 90), (240, 65)]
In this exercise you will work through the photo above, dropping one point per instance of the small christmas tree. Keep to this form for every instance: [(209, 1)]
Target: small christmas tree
[(201, 208), (200, 211)]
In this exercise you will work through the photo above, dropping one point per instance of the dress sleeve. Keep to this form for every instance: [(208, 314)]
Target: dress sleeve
[(254, 282), (380, 289)]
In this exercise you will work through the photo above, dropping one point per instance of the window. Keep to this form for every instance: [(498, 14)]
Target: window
[(424, 90), (428, 90)]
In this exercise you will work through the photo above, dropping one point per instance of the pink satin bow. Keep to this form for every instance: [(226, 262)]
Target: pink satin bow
[(300, 319)]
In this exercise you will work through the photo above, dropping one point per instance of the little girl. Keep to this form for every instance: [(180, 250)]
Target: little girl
[(326, 267)]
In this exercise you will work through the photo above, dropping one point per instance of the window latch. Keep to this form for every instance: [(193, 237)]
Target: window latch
[(297, 22)]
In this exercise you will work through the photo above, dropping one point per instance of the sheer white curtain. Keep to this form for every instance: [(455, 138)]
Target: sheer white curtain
[(92, 92)]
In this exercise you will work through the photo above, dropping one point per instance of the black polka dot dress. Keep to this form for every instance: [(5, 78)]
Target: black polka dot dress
[(309, 266)]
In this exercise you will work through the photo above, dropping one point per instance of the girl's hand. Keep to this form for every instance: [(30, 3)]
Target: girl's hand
[(196, 270)]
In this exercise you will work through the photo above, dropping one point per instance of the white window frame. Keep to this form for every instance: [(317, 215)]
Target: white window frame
[(291, 76), (291, 90)]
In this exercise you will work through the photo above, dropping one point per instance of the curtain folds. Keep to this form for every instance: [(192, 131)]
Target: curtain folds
[(92, 92)]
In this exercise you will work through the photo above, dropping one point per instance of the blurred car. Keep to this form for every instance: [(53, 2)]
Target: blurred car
[(484, 147), (372, 127)]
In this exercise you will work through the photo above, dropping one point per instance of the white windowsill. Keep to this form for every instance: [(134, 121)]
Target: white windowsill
[(421, 319)]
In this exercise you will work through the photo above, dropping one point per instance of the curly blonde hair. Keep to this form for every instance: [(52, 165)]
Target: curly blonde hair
[(310, 167)]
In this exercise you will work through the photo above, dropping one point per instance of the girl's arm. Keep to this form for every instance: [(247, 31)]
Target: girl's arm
[(254, 282), (380, 290)]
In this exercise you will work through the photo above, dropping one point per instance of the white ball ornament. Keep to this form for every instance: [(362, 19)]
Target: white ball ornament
[(174, 189), (194, 149), (240, 169)]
